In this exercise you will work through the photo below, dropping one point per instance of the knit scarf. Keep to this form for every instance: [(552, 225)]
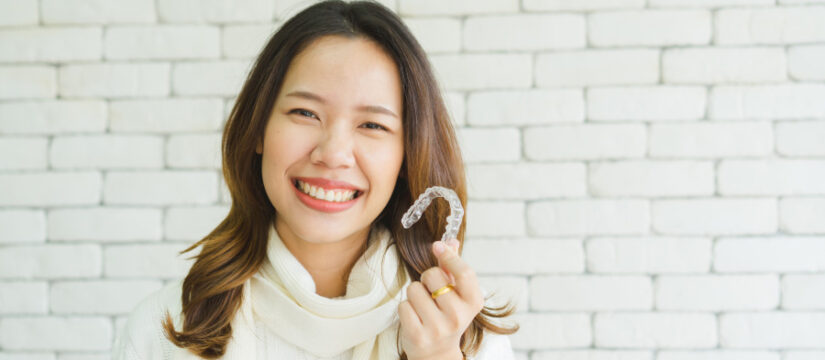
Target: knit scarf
[(282, 296)]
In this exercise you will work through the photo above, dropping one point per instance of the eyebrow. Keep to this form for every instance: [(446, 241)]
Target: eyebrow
[(367, 108)]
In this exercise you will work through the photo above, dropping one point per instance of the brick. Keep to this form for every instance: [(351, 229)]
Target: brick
[(529, 181), (436, 35), (52, 117), (590, 293), (160, 261), (194, 151), (49, 261), (802, 215), (53, 44), (104, 224), (651, 178), (597, 67), (457, 7), (583, 5), (585, 142), (27, 355), (27, 82), (655, 330), (56, 333), (106, 151), (710, 140), (775, 25), (489, 144), (772, 330), (167, 42), (774, 254), (649, 28), (771, 177), (223, 78), (648, 255), (495, 218), (717, 293), (551, 330), (502, 290), (105, 297), (22, 226), (718, 355), (524, 32), (97, 11), (804, 60), (803, 354), (592, 355), (216, 11), (803, 292), (160, 187), (708, 3), (245, 41), (724, 65), (114, 80), (528, 107), (788, 101), (49, 188), (455, 107), (192, 223), (524, 256), (20, 297), (588, 217), (166, 115), (646, 103), (800, 138), (17, 13), (714, 216), (460, 72), (28, 153), (86, 356)]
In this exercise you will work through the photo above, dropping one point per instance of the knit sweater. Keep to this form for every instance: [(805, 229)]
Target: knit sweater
[(142, 337)]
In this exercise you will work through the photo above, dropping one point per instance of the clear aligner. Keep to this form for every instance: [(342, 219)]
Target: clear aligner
[(417, 209)]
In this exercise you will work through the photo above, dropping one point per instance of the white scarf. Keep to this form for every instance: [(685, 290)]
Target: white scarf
[(282, 296)]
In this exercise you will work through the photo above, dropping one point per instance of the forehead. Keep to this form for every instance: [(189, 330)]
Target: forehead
[(345, 70)]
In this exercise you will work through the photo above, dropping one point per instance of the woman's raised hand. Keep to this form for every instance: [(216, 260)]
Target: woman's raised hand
[(431, 328)]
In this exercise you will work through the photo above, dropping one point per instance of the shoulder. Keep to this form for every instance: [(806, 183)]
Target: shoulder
[(142, 335), (494, 346)]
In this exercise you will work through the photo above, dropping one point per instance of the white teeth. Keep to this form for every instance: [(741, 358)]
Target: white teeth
[(326, 195)]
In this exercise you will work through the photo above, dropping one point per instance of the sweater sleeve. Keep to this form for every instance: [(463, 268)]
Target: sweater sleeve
[(141, 338), (494, 347)]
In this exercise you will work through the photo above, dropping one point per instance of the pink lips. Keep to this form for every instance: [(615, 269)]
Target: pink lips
[(322, 205)]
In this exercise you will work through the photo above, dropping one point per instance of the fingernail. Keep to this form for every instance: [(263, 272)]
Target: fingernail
[(438, 247)]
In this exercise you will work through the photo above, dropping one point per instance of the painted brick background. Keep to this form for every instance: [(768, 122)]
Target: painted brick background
[(647, 176)]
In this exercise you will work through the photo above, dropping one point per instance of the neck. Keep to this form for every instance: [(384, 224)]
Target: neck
[(329, 263)]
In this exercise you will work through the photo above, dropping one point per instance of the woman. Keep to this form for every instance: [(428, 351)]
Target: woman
[(339, 126)]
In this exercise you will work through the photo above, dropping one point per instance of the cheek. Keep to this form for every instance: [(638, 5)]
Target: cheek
[(382, 164)]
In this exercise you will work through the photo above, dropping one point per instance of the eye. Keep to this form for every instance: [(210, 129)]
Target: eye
[(374, 126), (303, 112)]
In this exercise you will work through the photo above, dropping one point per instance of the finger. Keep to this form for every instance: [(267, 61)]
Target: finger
[(435, 278), (424, 305), (409, 319), (466, 282)]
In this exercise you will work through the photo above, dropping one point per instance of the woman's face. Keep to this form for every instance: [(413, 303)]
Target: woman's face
[(333, 145)]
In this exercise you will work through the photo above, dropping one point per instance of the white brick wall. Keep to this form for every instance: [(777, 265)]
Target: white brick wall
[(646, 177)]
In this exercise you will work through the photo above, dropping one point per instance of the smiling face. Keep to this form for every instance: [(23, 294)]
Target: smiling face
[(333, 145)]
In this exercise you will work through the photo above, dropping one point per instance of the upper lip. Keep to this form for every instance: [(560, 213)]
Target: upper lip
[(327, 183)]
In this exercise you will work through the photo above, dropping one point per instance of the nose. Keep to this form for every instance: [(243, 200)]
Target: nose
[(334, 149)]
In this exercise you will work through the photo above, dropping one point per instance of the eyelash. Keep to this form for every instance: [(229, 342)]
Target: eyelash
[(303, 112)]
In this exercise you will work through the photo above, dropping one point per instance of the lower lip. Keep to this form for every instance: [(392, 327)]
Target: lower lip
[(322, 205)]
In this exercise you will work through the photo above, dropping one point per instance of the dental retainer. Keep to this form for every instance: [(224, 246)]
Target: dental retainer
[(415, 211)]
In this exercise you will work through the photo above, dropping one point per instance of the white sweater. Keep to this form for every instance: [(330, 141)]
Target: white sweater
[(142, 336)]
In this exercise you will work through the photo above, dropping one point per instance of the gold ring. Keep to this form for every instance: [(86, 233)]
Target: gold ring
[(444, 289)]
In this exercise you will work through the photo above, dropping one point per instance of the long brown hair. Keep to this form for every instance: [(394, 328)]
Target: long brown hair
[(236, 248)]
